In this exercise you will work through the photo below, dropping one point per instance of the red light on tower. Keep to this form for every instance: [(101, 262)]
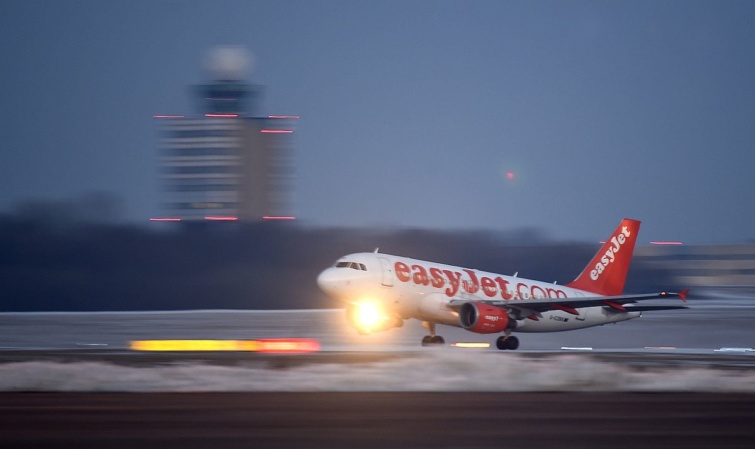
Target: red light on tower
[(510, 175)]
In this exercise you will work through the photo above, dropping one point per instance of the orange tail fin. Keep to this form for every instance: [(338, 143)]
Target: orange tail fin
[(607, 271)]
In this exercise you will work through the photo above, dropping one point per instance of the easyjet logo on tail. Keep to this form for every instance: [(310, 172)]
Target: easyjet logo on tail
[(610, 255), (606, 272)]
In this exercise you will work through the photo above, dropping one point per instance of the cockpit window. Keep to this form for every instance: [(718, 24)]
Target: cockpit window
[(352, 265)]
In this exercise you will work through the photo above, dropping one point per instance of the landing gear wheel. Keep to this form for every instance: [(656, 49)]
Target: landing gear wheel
[(433, 340), (504, 343)]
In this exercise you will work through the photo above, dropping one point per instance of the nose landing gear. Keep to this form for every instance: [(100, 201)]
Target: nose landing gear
[(432, 339)]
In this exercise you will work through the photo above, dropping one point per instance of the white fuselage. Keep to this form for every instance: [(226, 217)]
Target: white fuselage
[(409, 288)]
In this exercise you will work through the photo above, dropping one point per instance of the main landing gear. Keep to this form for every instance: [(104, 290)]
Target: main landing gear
[(507, 342), (504, 342), (432, 339)]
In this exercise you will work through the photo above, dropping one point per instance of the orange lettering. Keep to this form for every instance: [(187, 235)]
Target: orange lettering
[(402, 271)]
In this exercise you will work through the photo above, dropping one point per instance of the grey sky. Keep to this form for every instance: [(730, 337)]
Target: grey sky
[(411, 112)]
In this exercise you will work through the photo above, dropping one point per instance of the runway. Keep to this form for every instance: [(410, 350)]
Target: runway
[(78, 352), (376, 420), (669, 381)]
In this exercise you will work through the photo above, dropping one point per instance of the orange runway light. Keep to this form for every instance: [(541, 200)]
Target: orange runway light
[(288, 345), (270, 217), (470, 345), (193, 345), (270, 346)]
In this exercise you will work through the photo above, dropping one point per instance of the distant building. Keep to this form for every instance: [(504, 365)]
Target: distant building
[(226, 164), (707, 266)]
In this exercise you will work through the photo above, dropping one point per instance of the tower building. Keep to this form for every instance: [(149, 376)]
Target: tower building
[(226, 164)]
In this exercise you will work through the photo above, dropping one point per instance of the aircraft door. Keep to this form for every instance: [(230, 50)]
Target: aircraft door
[(387, 272)]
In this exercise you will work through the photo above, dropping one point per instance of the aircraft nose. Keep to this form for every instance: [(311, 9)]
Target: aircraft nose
[(327, 281)]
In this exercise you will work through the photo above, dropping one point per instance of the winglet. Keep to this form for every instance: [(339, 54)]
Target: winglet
[(683, 294)]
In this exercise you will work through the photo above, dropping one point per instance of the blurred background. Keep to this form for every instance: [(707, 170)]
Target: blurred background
[(177, 155)]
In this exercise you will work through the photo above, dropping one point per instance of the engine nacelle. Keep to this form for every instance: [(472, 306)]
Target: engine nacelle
[(484, 319)]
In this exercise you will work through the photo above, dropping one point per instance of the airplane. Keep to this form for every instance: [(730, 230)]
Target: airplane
[(381, 291)]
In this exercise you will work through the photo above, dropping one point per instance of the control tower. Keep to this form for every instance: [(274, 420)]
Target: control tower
[(226, 164), (227, 94)]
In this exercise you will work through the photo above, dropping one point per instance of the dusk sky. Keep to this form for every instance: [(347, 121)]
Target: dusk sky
[(412, 112)]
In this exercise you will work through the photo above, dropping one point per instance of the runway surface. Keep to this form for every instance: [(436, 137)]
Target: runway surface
[(705, 349), (676, 379), (376, 420), (708, 324)]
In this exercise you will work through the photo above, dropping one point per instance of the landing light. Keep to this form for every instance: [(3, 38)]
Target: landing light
[(367, 316)]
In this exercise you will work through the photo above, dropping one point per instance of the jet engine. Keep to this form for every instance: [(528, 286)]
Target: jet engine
[(484, 319)]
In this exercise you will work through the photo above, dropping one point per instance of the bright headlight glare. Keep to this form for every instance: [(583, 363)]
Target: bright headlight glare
[(367, 315)]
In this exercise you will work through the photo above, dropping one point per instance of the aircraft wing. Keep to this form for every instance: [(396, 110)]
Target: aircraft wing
[(621, 303), (633, 308)]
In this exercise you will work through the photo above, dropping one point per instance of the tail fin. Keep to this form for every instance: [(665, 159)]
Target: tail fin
[(607, 271)]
